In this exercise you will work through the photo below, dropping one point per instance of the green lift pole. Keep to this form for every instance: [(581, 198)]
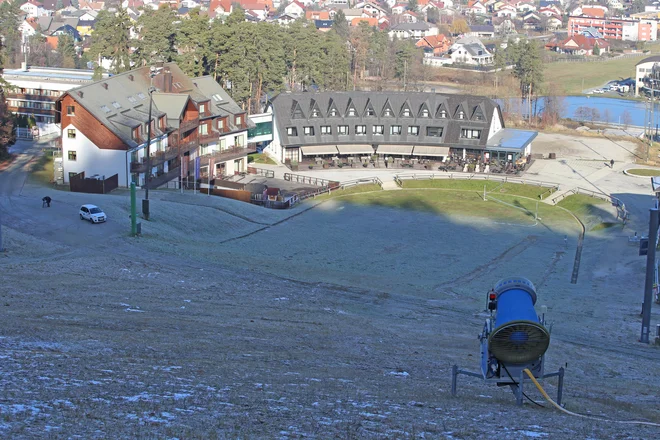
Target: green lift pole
[(133, 211)]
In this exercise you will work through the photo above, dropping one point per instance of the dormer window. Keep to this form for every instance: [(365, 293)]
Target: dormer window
[(136, 133), (239, 121), (315, 113), (202, 108), (443, 114), (461, 114), (291, 131), (352, 112), (334, 112), (387, 112), (406, 112), (425, 113), (221, 124), (162, 123)]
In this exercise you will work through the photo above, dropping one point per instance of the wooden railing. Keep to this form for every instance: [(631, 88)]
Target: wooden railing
[(188, 125)]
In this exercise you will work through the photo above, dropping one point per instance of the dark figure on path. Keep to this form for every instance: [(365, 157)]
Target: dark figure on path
[(612, 163), (45, 202)]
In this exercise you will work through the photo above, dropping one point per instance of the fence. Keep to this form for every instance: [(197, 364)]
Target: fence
[(621, 210), (552, 187), (299, 178), (261, 172), (240, 195), (92, 185), (342, 185)]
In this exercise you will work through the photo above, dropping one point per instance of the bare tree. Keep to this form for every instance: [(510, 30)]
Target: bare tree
[(626, 119)]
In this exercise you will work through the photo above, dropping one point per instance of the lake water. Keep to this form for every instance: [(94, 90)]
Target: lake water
[(615, 108)]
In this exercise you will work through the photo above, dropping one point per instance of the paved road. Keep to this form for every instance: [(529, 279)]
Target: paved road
[(21, 207)]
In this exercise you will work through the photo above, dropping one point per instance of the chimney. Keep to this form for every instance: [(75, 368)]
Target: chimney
[(130, 77), (80, 93), (167, 86), (105, 86)]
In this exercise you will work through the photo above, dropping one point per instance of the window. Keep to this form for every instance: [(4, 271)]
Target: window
[(115, 104), (342, 129), (334, 112), (309, 131), (352, 112), (315, 113), (72, 175), (136, 133), (360, 130), (291, 131), (443, 114), (434, 131), (370, 112), (239, 120), (387, 112), (238, 141), (221, 124), (378, 129), (468, 133), (71, 133), (71, 110), (326, 129), (425, 113), (461, 114), (395, 129), (406, 112), (161, 122), (413, 129), (203, 129), (72, 155), (202, 108)]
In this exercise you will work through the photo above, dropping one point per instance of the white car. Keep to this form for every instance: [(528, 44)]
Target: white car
[(92, 213), (599, 91)]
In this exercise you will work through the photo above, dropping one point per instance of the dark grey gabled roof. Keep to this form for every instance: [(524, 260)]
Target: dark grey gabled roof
[(471, 106)]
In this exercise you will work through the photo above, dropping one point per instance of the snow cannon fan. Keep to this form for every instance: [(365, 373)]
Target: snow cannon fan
[(514, 338)]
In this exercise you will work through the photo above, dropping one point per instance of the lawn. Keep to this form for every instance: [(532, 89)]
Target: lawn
[(260, 158), (509, 208), (492, 187), (575, 77), (41, 171), (357, 189), (588, 209), (646, 172)]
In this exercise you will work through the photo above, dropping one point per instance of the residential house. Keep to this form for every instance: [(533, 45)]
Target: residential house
[(323, 25), (134, 4), (504, 26), (551, 10), (470, 50), (27, 28), (308, 127), (553, 23), (219, 8), (370, 21), (525, 6), (51, 5), (643, 70), (481, 31), (434, 45), (438, 5), (579, 45), (399, 8), (350, 14), (531, 20), (286, 19), (295, 9), (372, 9), (409, 17), (594, 11), (34, 9), (507, 11), (196, 128), (91, 5), (476, 7), (317, 15), (407, 31)]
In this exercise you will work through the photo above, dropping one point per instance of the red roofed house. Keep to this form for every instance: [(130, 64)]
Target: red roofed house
[(295, 9), (317, 15), (437, 44), (371, 21), (579, 45), (594, 11)]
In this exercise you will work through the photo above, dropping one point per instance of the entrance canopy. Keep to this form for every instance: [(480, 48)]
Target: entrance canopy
[(315, 150), (405, 150), (430, 151), (355, 149)]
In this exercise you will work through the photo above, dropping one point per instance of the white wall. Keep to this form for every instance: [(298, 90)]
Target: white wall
[(90, 159), (495, 123), (274, 150)]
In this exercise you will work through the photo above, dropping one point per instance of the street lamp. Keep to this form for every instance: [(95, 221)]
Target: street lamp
[(145, 201)]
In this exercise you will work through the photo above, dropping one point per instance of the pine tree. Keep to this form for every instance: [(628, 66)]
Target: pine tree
[(9, 34), (157, 36), (340, 25), (67, 51), (193, 41), (111, 40), (596, 50), (7, 136)]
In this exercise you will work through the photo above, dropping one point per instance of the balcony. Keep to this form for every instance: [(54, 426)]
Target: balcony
[(187, 145), (138, 167), (188, 125), (208, 137), (230, 153)]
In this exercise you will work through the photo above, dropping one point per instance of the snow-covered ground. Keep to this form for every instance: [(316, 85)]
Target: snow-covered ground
[(228, 320)]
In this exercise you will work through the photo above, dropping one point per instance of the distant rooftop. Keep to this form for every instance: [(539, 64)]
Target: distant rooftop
[(51, 73)]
